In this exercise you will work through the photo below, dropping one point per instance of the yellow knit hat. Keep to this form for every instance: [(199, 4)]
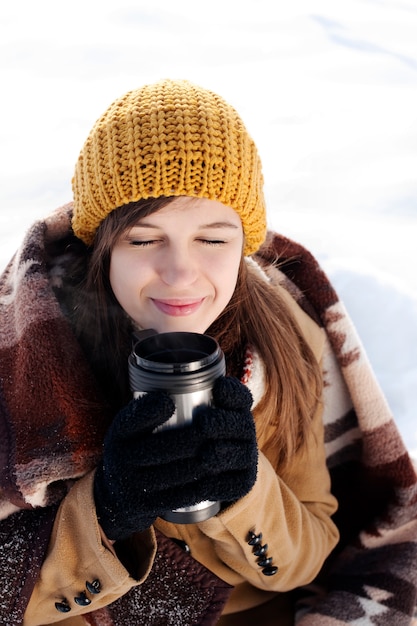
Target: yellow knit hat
[(171, 138)]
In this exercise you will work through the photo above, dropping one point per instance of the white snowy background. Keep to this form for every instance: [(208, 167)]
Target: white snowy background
[(327, 88)]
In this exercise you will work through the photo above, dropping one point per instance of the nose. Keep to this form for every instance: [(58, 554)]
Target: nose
[(179, 268)]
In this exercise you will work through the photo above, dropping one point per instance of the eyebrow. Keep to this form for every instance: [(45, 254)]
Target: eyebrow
[(224, 224)]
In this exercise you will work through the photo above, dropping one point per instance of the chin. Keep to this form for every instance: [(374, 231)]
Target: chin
[(181, 328)]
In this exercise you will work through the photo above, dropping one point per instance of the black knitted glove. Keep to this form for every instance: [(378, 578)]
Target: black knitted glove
[(146, 473)]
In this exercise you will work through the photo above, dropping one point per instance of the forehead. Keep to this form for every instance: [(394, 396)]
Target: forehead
[(205, 210)]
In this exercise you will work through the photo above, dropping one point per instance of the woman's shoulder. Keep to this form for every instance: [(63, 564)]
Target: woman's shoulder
[(304, 317)]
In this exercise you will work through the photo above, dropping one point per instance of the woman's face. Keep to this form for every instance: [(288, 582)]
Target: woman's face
[(176, 269)]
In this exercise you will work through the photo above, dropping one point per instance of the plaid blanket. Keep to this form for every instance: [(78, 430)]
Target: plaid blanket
[(47, 398)]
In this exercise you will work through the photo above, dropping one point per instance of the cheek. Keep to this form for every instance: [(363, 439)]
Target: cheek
[(225, 276)]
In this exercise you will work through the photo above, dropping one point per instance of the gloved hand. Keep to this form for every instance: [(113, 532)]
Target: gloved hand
[(145, 473)]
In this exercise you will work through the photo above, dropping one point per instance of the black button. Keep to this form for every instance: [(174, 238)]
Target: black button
[(270, 570), (82, 599), (94, 587), (260, 550), (63, 606), (182, 544), (254, 539), (264, 561)]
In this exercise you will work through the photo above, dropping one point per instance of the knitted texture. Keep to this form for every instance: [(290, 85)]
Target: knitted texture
[(171, 138), (146, 472)]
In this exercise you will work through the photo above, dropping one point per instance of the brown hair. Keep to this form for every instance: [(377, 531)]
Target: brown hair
[(256, 316)]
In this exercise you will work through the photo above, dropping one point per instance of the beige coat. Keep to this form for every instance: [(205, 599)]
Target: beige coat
[(293, 511)]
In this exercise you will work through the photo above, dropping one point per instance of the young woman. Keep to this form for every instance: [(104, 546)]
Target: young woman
[(166, 233)]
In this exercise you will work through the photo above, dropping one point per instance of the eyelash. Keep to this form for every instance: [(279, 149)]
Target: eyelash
[(141, 244), (208, 242), (213, 242)]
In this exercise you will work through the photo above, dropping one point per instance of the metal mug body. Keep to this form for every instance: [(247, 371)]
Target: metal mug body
[(186, 366)]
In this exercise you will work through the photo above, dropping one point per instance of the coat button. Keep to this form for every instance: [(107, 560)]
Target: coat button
[(263, 561), (254, 539), (82, 599), (63, 606), (94, 587), (269, 570), (260, 550), (182, 544)]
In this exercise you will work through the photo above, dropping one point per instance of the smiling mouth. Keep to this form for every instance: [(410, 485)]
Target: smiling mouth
[(178, 308)]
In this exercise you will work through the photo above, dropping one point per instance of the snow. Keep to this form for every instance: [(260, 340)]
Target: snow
[(327, 89)]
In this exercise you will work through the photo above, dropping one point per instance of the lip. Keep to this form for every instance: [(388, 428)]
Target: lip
[(177, 307)]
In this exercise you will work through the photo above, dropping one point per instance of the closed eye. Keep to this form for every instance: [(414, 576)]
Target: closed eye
[(213, 242), (142, 243)]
